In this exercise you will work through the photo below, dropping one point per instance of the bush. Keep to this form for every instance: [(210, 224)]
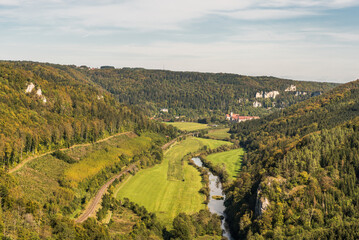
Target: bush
[(63, 156)]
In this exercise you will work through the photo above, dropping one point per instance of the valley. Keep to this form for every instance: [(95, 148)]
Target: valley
[(103, 154), (171, 187)]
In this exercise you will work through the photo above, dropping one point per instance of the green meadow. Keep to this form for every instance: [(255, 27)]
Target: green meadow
[(95, 158), (49, 178), (172, 186), (219, 133), (188, 126), (231, 160)]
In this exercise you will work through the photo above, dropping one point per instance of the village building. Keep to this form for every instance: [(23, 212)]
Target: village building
[(237, 118)]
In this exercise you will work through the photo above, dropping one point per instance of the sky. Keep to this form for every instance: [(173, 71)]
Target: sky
[(315, 40)]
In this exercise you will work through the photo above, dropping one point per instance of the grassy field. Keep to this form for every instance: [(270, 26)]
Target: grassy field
[(231, 159), (47, 177), (175, 165), (172, 186), (95, 158), (219, 133), (188, 126)]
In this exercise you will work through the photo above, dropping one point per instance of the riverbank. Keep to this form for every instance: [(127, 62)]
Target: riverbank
[(216, 198)]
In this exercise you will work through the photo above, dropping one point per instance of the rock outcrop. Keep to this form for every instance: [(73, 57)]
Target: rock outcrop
[(30, 87), (291, 88), (271, 94), (297, 93), (257, 104), (262, 203)]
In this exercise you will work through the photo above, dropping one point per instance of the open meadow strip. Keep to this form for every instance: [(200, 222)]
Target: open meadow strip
[(230, 159), (168, 196), (31, 158), (219, 133), (188, 126)]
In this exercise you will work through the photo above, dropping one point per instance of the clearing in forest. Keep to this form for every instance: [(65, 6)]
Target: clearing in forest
[(219, 133), (231, 160), (188, 126), (172, 186)]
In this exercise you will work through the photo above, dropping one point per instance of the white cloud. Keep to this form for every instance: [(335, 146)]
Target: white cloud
[(9, 3), (52, 30), (264, 14), (159, 14)]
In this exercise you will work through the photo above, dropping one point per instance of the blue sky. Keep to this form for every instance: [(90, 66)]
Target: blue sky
[(315, 40)]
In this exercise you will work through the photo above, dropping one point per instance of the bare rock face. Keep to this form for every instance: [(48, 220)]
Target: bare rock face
[(291, 88), (259, 94), (262, 203), (297, 93), (271, 94), (39, 92), (257, 104), (30, 87)]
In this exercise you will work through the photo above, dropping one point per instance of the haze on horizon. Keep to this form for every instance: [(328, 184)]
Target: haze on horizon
[(315, 40)]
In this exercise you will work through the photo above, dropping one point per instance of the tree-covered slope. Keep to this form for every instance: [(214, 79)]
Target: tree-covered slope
[(44, 106), (201, 94), (300, 177)]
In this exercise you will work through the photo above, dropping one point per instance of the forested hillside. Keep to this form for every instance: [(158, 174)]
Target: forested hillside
[(300, 177), (195, 95), (44, 106), (62, 139)]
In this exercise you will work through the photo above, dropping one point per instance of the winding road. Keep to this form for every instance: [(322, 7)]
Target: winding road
[(91, 207)]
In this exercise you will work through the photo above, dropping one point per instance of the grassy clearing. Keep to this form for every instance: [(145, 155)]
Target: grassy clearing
[(188, 126), (103, 155), (152, 188), (212, 143), (175, 166), (219, 133), (231, 159), (39, 179), (122, 222)]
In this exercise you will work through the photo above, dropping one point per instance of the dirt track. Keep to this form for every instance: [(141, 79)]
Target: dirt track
[(62, 149)]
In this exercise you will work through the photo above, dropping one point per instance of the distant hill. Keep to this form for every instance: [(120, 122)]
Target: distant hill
[(300, 177), (196, 95)]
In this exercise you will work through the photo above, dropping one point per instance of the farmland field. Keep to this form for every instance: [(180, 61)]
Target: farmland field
[(172, 186), (219, 133), (188, 126), (231, 159)]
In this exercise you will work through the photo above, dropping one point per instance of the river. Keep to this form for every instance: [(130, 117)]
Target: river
[(216, 206)]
